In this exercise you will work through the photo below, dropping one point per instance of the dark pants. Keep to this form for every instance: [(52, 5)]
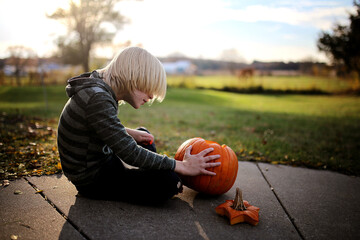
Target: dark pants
[(117, 182)]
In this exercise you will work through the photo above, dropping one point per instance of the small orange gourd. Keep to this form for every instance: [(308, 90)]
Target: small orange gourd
[(225, 173), (239, 210)]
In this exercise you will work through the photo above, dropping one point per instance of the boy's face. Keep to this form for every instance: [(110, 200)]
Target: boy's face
[(138, 98)]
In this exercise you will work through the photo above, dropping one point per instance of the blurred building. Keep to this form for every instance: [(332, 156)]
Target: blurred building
[(181, 67)]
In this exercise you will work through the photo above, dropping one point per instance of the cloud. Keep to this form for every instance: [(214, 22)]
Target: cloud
[(188, 15), (322, 18), (188, 26), (308, 3)]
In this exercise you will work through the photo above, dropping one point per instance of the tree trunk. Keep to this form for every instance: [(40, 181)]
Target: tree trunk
[(17, 76), (85, 64), (86, 56)]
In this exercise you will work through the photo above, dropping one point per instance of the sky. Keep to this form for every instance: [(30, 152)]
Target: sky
[(262, 30)]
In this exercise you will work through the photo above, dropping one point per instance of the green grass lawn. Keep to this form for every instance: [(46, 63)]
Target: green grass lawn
[(31, 100), (313, 131), (292, 83)]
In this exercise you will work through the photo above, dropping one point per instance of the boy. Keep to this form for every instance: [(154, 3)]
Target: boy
[(92, 140)]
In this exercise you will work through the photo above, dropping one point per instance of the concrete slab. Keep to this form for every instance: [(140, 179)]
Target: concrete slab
[(119, 220), (274, 223), (324, 204), (29, 216), (188, 216)]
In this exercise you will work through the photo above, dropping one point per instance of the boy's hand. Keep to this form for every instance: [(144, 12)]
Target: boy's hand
[(193, 165), (141, 136)]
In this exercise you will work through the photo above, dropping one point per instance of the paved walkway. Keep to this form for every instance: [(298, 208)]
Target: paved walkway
[(295, 203)]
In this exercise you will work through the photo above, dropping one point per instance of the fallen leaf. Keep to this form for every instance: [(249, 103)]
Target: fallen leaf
[(59, 166), (5, 183), (18, 192), (21, 166), (13, 237)]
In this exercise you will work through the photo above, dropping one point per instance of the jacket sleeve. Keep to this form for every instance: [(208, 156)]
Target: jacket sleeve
[(102, 117)]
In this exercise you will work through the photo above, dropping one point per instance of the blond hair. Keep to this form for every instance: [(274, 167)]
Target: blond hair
[(133, 69)]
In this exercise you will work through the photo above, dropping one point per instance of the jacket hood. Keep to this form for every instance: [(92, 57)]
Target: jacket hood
[(86, 80)]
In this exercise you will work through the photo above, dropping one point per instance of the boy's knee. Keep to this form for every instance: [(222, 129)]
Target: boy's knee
[(143, 129), (175, 184), (150, 147)]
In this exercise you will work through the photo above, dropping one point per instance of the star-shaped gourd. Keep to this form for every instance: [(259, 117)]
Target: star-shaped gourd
[(239, 210)]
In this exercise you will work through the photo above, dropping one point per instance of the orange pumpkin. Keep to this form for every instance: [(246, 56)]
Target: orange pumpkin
[(225, 173)]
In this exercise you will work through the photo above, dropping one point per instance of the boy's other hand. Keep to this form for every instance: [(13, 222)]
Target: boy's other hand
[(193, 165)]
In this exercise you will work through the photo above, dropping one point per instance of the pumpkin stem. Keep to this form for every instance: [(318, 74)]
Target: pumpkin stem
[(238, 201)]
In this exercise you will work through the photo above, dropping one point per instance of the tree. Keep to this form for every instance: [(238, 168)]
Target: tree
[(342, 45), (232, 57), (88, 23)]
